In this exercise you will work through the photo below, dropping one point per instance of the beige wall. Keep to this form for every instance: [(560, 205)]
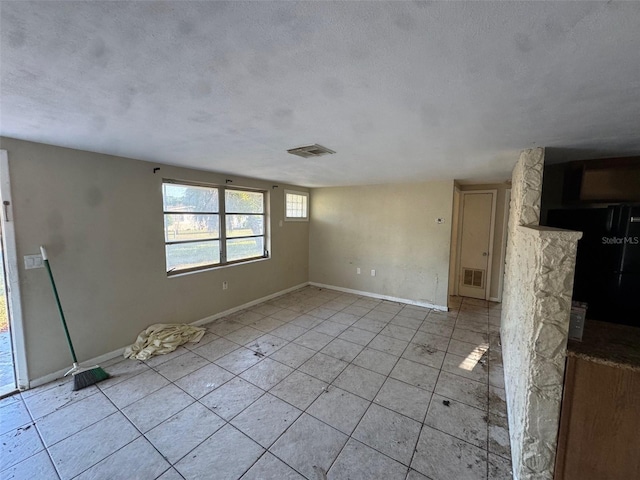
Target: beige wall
[(498, 253), (101, 219), (389, 228)]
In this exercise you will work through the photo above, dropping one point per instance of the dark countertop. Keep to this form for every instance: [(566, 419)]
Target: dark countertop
[(608, 344)]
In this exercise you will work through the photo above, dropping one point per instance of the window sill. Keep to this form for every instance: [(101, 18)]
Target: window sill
[(217, 267)]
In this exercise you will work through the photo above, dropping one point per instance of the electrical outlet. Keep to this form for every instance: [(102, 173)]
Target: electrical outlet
[(225, 285), (358, 270), (33, 261), (373, 273)]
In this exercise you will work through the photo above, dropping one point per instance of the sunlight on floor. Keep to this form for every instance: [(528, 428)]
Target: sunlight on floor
[(474, 357)]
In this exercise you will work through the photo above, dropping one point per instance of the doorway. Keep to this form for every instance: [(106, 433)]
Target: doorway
[(13, 364), (7, 371), (475, 243)]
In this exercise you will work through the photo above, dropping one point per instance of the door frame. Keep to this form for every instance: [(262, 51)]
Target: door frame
[(505, 231), (12, 287), (494, 200), (455, 244)]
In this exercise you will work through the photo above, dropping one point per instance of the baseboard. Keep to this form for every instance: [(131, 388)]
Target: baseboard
[(111, 355), (382, 297), (216, 316), (60, 373)]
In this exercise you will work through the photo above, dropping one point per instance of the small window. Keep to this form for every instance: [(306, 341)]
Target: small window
[(206, 226), (296, 206)]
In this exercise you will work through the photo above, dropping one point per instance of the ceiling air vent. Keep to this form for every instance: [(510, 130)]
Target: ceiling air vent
[(307, 151)]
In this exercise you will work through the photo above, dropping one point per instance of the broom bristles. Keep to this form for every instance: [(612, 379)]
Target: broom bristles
[(88, 377)]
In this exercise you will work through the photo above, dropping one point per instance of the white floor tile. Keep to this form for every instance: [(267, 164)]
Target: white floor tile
[(52, 399), (204, 380), (138, 459), (266, 419), (18, 445), (71, 419), (13, 415), (183, 432), (155, 408), (442, 457), (37, 466), (309, 446), (233, 397), (212, 457), (334, 385), (388, 432), (299, 389), (269, 467), (339, 408), (360, 462), (77, 453)]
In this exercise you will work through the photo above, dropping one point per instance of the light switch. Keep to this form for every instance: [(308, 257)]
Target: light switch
[(33, 261)]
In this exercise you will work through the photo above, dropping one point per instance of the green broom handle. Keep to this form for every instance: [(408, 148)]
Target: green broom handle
[(55, 293)]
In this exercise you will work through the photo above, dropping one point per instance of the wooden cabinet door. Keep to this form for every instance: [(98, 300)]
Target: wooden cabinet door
[(600, 423)]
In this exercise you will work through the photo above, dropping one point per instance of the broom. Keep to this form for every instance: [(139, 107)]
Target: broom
[(82, 377)]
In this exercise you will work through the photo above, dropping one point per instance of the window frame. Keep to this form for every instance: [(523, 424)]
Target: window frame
[(222, 226), (302, 194)]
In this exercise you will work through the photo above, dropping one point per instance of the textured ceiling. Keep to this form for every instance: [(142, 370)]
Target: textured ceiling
[(402, 91)]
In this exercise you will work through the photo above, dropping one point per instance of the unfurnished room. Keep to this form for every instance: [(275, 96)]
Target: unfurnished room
[(321, 240)]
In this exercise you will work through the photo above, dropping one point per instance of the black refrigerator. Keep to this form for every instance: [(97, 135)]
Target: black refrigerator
[(608, 260)]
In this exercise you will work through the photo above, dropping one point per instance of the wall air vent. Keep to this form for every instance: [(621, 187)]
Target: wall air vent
[(307, 151), (473, 278)]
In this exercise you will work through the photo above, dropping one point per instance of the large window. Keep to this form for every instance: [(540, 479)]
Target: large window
[(207, 226), (296, 206)]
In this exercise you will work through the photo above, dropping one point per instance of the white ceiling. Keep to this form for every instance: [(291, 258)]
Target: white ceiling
[(402, 91)]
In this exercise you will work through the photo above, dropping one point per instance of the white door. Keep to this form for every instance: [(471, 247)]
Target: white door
[(476, 237)]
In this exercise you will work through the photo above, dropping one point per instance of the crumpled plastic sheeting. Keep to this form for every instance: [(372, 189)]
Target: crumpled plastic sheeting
[(162, 338)]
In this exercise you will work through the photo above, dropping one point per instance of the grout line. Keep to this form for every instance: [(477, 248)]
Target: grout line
[(374, 403), (332, 383), (415, 447)]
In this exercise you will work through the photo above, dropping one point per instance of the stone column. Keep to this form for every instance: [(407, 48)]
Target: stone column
[(539, 274)]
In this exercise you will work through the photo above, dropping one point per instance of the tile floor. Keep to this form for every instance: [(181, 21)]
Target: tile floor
[(314, 384)]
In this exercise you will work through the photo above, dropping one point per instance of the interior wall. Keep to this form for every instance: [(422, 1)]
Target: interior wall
[(535, 322), (499, 226), (389, 228), (101, 220)]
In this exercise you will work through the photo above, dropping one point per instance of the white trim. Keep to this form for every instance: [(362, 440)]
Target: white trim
[(382, 297), (13, 282), (494, 199), (60, 373), (456, 250), (111, 355), (494, 203), (505, 230), (302, 194), (216, 316)]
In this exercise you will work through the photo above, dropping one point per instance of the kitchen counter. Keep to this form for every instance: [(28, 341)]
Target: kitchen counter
[(608, 344)]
